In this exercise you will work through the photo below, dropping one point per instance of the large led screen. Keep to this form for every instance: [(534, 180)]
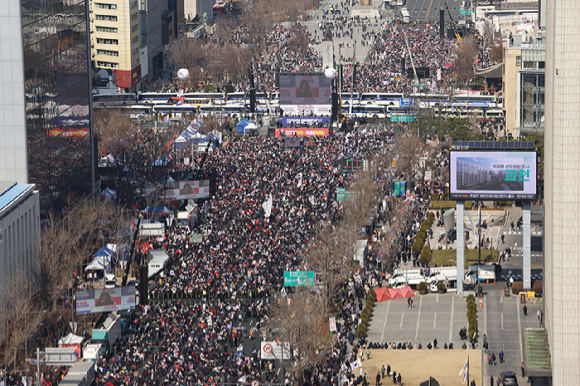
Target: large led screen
[(304, 89), (493, 175), (105, 300)]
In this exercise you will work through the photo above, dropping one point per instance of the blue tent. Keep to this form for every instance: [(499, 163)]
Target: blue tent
[(242, 124)]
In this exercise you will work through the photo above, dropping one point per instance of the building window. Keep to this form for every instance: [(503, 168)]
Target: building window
[(134, 4), (541, 64), (529, 65), (106, 18), (143, 5), (107, 52), (135, 28), (136, 51), (518, 61), (107, 65), (135, 40), (108, 30), (107, 41), (134, 16), (105, 6)]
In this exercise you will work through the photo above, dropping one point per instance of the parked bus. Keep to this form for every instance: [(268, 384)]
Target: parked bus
[(366, 111), (382, 99), (223, 110), (482, 101), (346, 98), (115, 99), (164, 97), (244, 97), (430, 100), (175, 111)]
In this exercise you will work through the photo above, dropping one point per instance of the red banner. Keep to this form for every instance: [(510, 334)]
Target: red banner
[(302, 132), (68, 132)]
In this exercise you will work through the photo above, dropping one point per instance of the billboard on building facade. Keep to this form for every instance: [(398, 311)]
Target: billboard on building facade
[(493, 175)]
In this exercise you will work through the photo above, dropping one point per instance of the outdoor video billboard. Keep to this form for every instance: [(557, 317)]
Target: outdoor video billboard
[(493, 175), (184, 190), (304, 89), (105, 300)]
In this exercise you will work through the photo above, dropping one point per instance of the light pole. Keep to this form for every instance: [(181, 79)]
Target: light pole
[(26, 313), (331, 74)]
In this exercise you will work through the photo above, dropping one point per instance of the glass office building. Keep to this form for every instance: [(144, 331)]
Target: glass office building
[(58, 99)]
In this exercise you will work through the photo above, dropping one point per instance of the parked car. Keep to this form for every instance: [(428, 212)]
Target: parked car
[(509, 378)]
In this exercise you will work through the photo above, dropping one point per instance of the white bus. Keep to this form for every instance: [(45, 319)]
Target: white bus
[(223, 110), (244, 97), (380, 98), (430, 100), (481, 101), (175, 111), (306, 110)]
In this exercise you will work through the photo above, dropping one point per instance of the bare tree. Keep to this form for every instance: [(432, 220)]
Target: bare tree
[(465, 57), (223, 29)]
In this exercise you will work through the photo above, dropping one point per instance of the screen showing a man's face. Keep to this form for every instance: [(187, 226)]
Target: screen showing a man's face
[(304, 90)]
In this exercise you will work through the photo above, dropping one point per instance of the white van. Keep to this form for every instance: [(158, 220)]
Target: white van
[(110, 281)]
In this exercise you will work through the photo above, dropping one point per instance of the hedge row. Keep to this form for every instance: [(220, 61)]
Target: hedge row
[(366, 315), (422, 234), (472, 328)]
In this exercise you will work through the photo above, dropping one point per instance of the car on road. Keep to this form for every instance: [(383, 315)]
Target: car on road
[(509, 378)]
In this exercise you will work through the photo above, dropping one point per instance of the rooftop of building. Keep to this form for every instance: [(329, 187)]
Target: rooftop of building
[(10, 191)]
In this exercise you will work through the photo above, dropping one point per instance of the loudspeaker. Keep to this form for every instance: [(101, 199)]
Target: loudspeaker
[(143, 285), (403, 64), (441, 24), (252, 100)]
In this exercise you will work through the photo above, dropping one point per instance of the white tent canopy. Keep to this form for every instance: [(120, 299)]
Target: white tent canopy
[(71, 339)]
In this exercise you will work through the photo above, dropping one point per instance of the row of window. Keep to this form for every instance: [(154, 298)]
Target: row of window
[(107, 52), (106, 18), (108, 30), (108, 41), (105, 6), (107, 64)]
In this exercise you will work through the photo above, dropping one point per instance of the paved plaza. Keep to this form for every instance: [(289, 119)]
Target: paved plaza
[(441, 316)]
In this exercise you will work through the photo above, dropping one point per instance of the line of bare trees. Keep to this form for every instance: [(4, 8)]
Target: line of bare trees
[(67, 244)]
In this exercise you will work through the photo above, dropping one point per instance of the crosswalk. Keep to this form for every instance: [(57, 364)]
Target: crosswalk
[(519, 233), (520, 277)]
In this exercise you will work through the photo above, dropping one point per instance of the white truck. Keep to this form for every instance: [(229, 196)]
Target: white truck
[(477, 273), (447, 274), (107, 331), (80, 374), (188, 218), (360, 251), (93, 353), (405, 17)]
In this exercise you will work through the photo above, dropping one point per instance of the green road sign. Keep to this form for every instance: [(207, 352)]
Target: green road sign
[(298, 278), (402, 118), (345, 196)]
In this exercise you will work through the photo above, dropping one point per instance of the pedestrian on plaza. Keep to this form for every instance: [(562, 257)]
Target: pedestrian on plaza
[(394, 377), (491, 381), (523, 369), (503, 239), (473, 382), (512, 226), (388, 370), (368, 353), (399, 379), (525, 310), (501, 356), (383, 371), (378, 379)]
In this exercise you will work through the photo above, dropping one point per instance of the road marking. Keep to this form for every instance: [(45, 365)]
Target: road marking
[(451, 321), (437, 298), (418, 318), (402, 318), (485, 314), (502, 320), (501, 298), (385, 322), (428, 11), (435, 322), (520, 333)]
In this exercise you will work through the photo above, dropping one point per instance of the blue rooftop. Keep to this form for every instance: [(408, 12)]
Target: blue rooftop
[(10, 191)]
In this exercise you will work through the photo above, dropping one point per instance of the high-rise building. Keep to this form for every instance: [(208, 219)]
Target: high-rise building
[(562, 197), (115, 39), (45, 105)]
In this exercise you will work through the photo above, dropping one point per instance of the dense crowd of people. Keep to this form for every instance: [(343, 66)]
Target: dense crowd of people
[(237, 269)]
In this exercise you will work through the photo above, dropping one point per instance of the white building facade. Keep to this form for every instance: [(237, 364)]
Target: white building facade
[(13, 146), (562, 190), (19, 231)]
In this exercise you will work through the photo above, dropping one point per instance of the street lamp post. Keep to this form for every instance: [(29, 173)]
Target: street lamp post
[(26, 313), (331, 74)]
